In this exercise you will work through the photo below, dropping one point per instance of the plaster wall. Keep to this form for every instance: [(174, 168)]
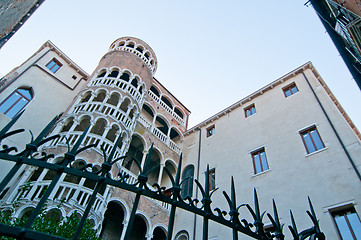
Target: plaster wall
[(326, 176)]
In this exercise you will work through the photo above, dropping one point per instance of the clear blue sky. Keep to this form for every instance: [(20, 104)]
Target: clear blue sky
[(210, 53)]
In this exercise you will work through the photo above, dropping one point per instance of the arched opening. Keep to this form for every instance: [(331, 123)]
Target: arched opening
[(121, 44), (155, 91), (124, 105), (154, 162), (178, 112), (112, 226), (99, 127), (125, 77), (68, 125), (147, 113), (100, 97), (112, 133), (139, 229), (84, 123), (86, 97), (139, 49), (132, 111), (135, 82), (114, 99), (114, 74), (187, 179), (175, 135), (54, 215), (130, 45), (26, 213), (161, 124), (102, 74), (167, 102), (146, 55), (182, 235), (166, 182), (159, 234), (135, 150)]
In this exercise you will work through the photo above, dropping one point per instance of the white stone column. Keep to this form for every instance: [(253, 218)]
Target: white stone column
[(125, 226), (145, 152), (162, 165)]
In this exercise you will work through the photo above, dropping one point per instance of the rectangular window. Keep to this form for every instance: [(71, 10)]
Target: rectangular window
[(259, 161), (54, 65), (348, 223), (290, 90), (312, 140), (250, 110), (212, 179), (211, 131)]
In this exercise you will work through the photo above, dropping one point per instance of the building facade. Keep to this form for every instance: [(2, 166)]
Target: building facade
[(289, 140)]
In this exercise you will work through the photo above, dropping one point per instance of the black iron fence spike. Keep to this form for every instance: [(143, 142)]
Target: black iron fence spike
[(10, 124)]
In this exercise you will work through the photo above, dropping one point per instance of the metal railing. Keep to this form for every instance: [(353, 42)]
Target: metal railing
[(172, 198)]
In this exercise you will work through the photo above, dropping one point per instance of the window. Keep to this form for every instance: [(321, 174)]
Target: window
[(348, 223), (54, 65), (290, 90), (211, 131), (212, 179), (74, 77), (187, 179), (250, 110), (312, 140), (16, 102), (259, 161)]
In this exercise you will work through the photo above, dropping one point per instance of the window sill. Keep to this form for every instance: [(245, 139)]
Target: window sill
[(321, 150), (257, 174)]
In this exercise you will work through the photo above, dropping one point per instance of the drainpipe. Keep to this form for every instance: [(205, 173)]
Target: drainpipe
[(334, 129), (198, 166)]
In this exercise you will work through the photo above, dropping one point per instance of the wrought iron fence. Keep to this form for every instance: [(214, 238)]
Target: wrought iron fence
[(202, 207)]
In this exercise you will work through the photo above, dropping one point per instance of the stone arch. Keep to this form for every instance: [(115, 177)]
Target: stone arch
[(56, 213), (162, 124), (175, 134), (99, 127), (179, 111), (121, 44), (101, 73), (155, 89), (147, 54), (83, 122), (159, 232), (126, 75), (85, 96), (112, 226), (139, 48), (67, 124), (167, 100), (155, 160), (143, 226), (130, 44), (114, 72), (171, 166), (100, 95), (24, 211), (114, 98), (125, 104), (148, 112), (135, 150)]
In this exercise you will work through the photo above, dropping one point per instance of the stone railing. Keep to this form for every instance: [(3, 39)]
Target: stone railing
[(167, 108), (90, 138), (106, 109), (71, 194), (160, 135), (121, 84), (139, 54)]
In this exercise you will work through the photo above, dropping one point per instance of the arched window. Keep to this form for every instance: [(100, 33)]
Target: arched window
[(16, 102), (187, 178)]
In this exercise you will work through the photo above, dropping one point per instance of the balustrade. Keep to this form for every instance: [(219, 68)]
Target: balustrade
[(106, 109), (121, 84), (160, 135), (167, 108), (70, 193)]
